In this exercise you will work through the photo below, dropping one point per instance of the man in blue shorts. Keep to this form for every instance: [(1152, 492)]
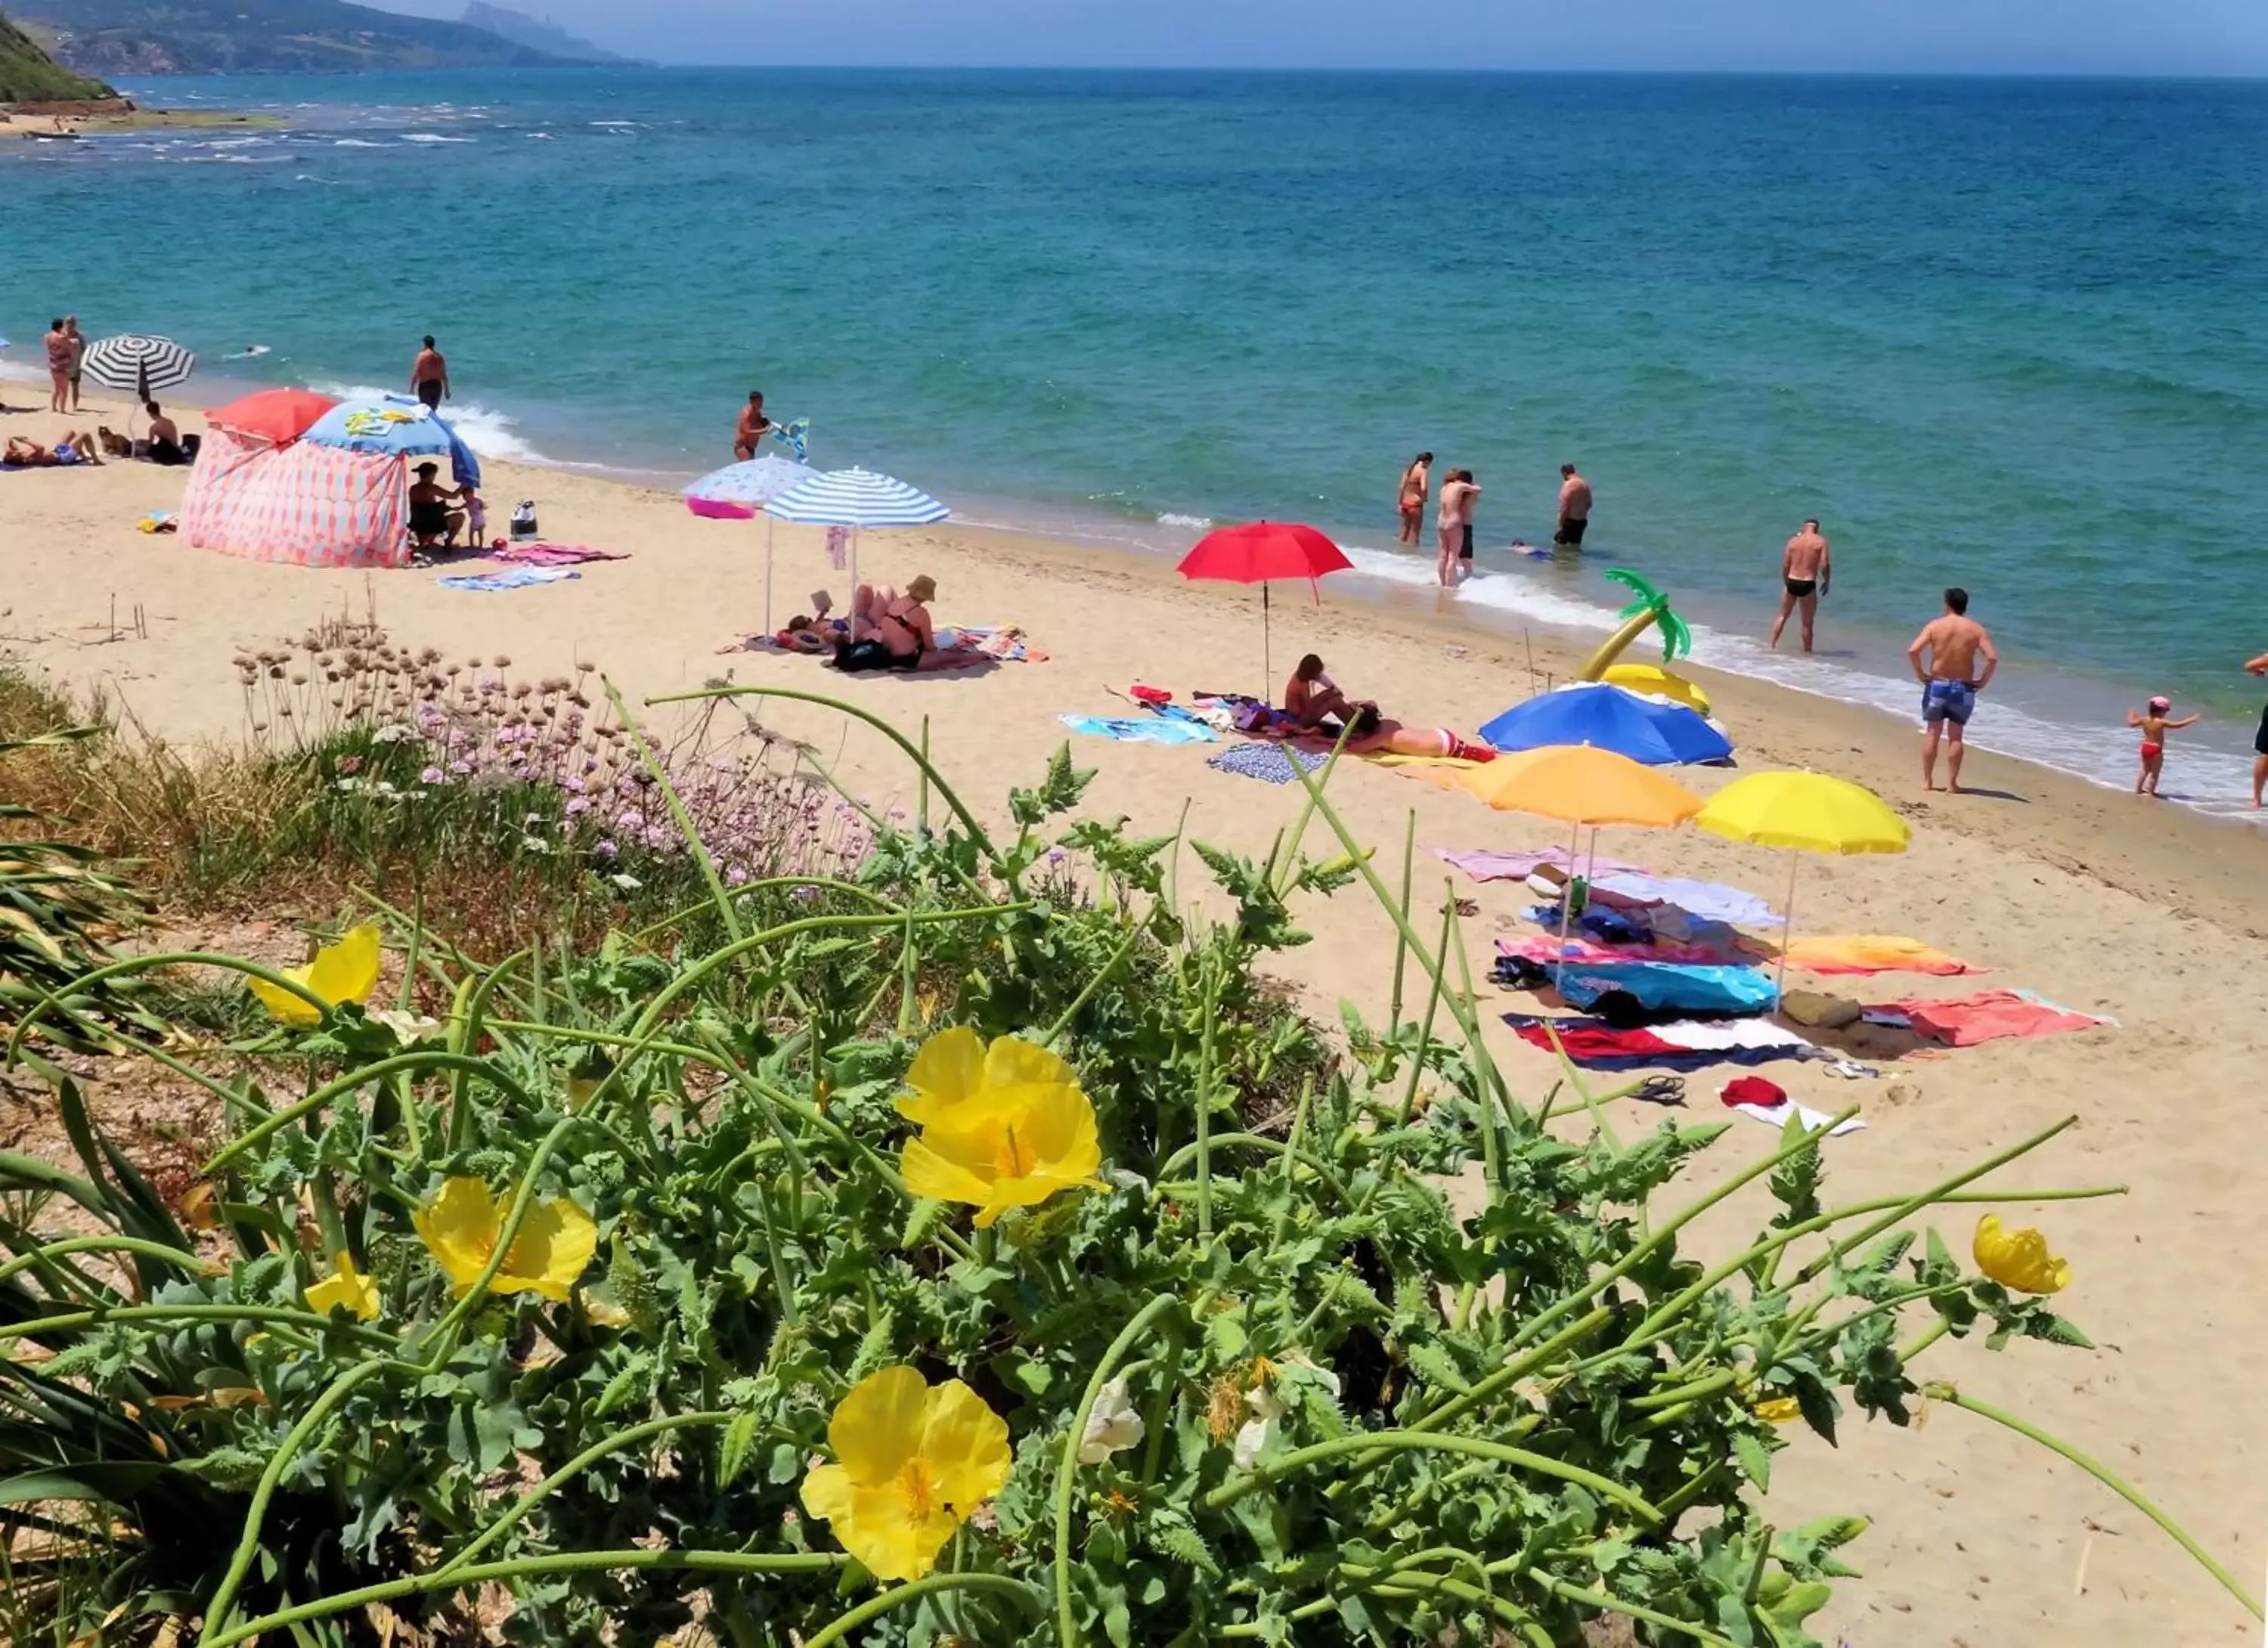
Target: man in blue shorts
[(1945, 659)]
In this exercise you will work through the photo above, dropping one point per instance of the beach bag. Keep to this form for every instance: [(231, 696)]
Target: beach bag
[(523, 521)]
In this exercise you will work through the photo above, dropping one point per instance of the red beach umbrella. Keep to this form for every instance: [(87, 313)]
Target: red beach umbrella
[(1260, 551), (281, 416)]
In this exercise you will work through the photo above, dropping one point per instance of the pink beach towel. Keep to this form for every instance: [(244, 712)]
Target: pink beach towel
[(553, 554), (1992, 1016)]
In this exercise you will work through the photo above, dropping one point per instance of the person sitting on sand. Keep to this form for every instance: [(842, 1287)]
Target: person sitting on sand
[(898, 632), (73, 448), (431, 520), (1312, 699), (749, 434), (2154, 725), (165, 437)]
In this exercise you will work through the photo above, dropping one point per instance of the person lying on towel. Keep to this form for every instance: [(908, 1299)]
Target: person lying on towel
[(73, 448), (889, 630), (1313, 703)]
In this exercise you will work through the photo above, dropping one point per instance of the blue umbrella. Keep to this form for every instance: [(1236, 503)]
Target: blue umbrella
[(398, 427), (858, 499), (1649, 729)]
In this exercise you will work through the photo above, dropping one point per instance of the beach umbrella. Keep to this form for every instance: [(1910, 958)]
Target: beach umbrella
[(138, 364), (1803, 812), (739, 490), (1653, 680), (1648, 730), (858, 499), (280, 415), (398, 427), (1259, 552), (1578, 785)]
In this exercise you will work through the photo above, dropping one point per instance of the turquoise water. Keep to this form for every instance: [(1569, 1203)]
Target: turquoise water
[(1999, 333)]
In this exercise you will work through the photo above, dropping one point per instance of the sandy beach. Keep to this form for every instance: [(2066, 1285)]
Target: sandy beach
[(2102, 902)]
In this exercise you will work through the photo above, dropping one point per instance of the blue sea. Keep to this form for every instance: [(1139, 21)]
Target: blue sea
[(2004, 334)]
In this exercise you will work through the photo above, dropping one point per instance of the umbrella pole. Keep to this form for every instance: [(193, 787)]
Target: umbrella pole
[(768, 575), (1787, 927), (1567, 903), (1267, 663)]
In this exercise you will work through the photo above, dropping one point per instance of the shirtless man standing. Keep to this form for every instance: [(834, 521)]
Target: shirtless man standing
[(749, 432), (1804, 573), (1949, 680), (429, 377), (1574, 509)]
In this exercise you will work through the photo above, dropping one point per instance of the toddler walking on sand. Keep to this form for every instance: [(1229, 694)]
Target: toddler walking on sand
[(2154, 725)]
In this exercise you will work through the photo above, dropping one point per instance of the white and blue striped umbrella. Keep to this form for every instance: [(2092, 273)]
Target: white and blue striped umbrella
[(739, 490), (857, 498)]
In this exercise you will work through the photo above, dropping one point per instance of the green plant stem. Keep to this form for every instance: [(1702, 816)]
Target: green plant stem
[(1204, 1101), (189, 1313), (1615, 1605), (1291, 1156), (1400, 954), (520, 1568), (1513, 1372), (1928, 1337), (898, 1596), (575, 1466), (1952, 1397), (1405, 1441), (1110, 965), (86, 982), (1067, 1463), (1425, 1025), (429, 1058), (1491, 1084), (685, 827), (765, 884), (133, 1245)]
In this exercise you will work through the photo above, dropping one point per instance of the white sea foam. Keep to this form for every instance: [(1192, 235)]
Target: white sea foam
[(1506, 594), (434, 137), (1195, 523), (358, 143)]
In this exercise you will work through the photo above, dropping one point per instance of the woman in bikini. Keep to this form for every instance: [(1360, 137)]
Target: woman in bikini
[(1416, 483), (890, 631)]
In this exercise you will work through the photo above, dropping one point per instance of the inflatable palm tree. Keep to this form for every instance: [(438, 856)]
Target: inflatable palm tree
[(1652, 607)]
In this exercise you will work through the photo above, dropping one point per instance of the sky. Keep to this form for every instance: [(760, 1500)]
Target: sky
[(2145, 37)]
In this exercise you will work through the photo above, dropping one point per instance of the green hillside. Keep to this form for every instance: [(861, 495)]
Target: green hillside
[(157, 37), (28, 75)]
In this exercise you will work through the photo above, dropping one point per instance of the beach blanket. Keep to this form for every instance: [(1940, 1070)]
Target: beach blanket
[(1761, 1101), (553, 554), (511, 577), (1617, 923), (1517, 866), (1666, 987), (1711, 899), (1986, 1016), (1873, 952), (1681, 1044), (1006, 643), (1142, 729), (1271, 763), (1548, 952)]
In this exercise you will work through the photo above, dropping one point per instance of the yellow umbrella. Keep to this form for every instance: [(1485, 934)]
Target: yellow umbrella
[(1651, 678), (1803, 812), (1581, 785)]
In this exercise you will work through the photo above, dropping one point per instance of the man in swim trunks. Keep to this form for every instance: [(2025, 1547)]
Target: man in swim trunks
[(1417, 481), (73, 448), (749, 433), (429, 377), (1453, 523), (1574, 509), (1954, 642), (165, 437), (431, 518), (1803, 574), (79, 355), (2259, 667)]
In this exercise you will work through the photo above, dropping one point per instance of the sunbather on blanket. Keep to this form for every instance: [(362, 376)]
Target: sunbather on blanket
[(73, 448)]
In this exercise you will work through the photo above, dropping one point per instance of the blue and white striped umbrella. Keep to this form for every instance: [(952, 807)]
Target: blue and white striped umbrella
[(738, 490), (857, 498)]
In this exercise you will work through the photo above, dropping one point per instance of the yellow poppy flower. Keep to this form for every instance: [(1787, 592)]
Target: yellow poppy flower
[(1779, 1410), (346, 1286), (1002, 1127), (344, 972), (2018, 1258), (912, 1462), (460, 1225)]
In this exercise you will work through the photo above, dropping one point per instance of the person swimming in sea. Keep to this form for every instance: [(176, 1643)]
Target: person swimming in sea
[(2155, 722)]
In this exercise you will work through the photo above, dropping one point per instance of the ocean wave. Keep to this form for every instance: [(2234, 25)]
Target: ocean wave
[(1509, 593), (358, 143), (486, 431), (434, 137), (1195, 523)]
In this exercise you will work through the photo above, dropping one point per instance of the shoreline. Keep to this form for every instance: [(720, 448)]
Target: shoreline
[(2061, 720)]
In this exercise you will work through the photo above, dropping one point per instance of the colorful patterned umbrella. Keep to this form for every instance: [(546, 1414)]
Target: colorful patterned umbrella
[(738, 491), (398, 427)]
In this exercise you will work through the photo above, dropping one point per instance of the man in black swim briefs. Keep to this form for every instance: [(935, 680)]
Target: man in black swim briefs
[(2259, 667), (1804, 571), (428, 376)]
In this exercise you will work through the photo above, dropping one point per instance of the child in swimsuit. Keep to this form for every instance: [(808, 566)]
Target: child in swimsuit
[(2154, 725)]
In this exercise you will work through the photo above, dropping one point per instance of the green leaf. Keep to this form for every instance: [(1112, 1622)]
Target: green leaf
[(733, 1457), (1754, 1456), (1170, 1530), (620, 1387)]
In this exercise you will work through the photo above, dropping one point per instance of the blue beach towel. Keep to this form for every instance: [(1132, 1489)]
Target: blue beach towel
[(1668, 987), (1271, 763), (1141, 729), (511, 577)]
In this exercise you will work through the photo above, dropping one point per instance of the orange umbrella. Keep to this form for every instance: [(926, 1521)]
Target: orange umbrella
[(1581, 785)]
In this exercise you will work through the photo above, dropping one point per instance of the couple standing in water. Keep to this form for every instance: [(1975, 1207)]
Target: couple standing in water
[(1453, 518)]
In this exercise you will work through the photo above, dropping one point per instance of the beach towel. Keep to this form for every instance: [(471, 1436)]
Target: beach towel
[(1873, 952), (511, 577), (1666, 987), (1679, 1044), (1517, 866), (1141, 729), (553, 554), (1547, 950), (1760, 1100), (1711, 899), (1987, 1016), (1271, 763), (1008, 643)]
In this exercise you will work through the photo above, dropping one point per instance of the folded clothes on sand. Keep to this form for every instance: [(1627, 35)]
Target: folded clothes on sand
[(511, 577), (1873, 952), (1271, 763), (1987, 1016), (1681, 1044), (1765, 1101), (1142, 729)]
